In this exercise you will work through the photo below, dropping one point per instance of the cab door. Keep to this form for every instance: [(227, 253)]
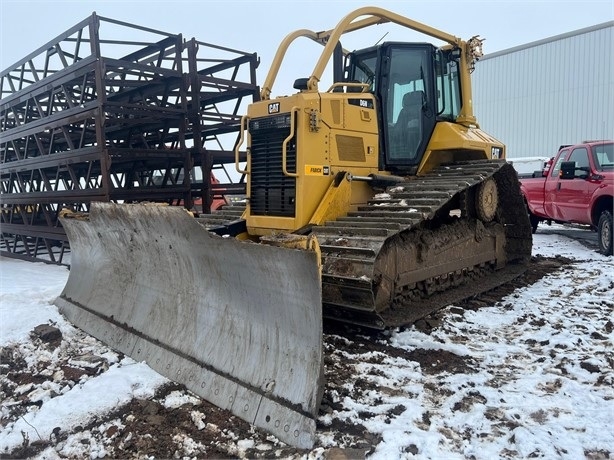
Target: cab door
[(573, 194), (407, 92), (552, 187)]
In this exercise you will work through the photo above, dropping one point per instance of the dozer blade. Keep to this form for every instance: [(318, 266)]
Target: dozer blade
[(237, 323)]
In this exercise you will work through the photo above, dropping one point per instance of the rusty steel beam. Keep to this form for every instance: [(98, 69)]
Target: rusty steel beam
[(87, 117)]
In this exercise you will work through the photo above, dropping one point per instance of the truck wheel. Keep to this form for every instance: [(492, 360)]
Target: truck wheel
[(604, 233), (534, 222), (533, 219)]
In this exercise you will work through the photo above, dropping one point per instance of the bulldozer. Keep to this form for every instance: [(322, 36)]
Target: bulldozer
[(374, 202)]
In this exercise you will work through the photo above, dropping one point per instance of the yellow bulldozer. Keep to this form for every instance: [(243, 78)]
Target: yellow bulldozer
[(374, 202)]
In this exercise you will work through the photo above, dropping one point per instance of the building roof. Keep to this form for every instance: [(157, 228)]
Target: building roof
[(554, 38)]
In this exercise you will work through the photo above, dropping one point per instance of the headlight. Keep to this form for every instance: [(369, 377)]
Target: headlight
[(496, 153)]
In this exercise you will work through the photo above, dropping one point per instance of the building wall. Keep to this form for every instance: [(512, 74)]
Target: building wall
[(556, 91)]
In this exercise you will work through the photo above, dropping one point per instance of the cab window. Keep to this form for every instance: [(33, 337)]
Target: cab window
[(580, 156), (361, 69), (603, 155), (409, 68), (557, 166), (448, 84)]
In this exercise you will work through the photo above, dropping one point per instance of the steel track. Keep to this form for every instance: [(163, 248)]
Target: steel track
[(402, 217)]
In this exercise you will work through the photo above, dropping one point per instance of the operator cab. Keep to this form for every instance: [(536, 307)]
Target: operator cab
[(416, 85)]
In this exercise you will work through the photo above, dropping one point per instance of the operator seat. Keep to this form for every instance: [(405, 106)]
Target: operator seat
[(407, 131)]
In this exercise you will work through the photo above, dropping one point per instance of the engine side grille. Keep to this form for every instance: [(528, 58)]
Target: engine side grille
[(272, 193)]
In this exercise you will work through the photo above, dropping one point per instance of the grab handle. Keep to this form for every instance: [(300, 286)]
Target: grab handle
[(284, 146), (242, 130)]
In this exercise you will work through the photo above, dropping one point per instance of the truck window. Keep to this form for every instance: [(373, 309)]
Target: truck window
[(580, 156), (557, 166), (603, 155)]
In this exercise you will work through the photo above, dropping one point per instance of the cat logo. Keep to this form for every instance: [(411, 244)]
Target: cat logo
[(274, 107)]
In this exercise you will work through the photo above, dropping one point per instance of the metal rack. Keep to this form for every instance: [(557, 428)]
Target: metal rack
[(88, 117)]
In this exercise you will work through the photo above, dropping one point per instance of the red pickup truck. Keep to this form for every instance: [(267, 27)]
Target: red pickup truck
[(576, 186)]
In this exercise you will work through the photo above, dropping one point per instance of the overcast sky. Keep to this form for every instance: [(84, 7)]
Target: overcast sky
[(259, 26)]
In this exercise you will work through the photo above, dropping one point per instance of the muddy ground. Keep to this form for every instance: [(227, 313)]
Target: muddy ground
[(146, 428)]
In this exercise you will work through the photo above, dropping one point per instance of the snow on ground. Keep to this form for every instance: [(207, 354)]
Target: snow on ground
[(534, 376)]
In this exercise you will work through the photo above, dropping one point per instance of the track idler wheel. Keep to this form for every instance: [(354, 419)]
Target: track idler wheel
[(487, 200)]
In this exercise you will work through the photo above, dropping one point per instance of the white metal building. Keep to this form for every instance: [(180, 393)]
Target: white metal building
[(559, 90)]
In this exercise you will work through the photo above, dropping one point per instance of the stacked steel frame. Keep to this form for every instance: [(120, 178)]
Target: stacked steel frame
[(90, 117)]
